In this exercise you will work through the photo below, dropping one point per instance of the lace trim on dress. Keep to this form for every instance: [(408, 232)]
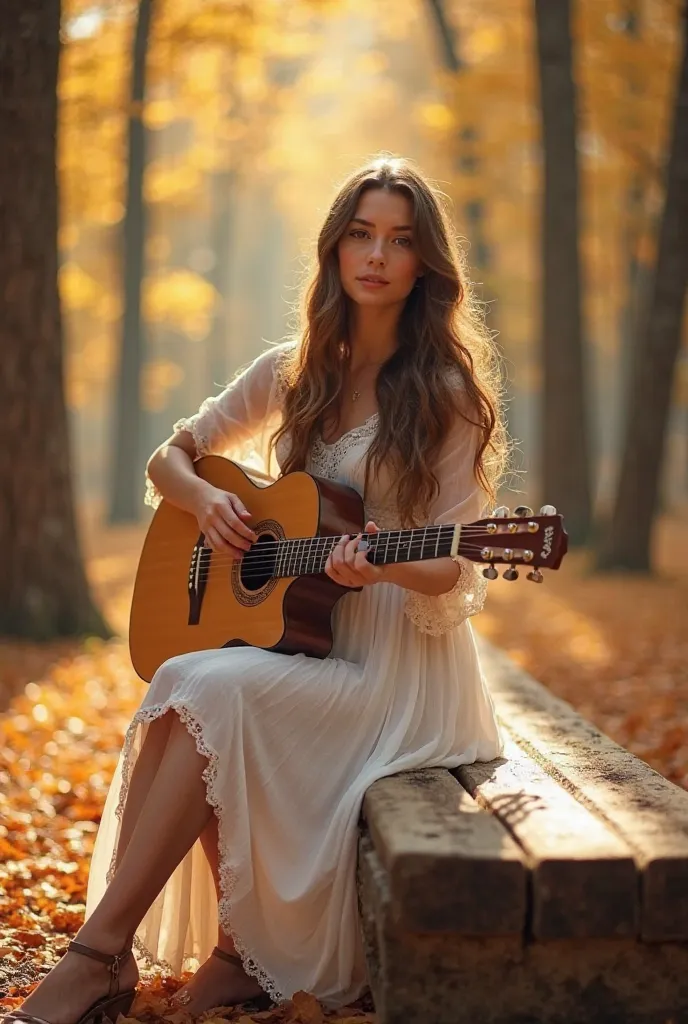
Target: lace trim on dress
[(281, 364), (228, 872), (325, 459), (152, 496), (437, 615)]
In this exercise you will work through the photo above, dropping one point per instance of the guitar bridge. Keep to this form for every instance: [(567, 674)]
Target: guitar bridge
[(198, 577)]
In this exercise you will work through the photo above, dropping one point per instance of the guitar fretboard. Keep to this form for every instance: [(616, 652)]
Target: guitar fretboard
[(301, 556)]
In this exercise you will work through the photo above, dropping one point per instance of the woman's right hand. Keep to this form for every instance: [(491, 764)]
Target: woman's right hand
[(222, 518)]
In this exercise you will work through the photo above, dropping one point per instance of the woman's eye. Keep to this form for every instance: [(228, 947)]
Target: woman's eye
[(360, 233)]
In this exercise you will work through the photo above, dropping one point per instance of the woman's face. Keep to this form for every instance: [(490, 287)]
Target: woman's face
[(379, 242)]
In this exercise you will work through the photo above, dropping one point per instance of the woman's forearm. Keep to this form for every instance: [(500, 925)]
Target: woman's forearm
[(172, 471), (433, 577)]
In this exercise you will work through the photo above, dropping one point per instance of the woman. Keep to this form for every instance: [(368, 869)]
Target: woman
[(233, 817)]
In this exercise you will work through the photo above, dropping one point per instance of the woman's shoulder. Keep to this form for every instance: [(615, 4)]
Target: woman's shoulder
[(283, 361), (274, 356), (268, 370)]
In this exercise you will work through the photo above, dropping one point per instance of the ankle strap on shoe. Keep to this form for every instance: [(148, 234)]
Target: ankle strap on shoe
[(112, 960), (231, 958)]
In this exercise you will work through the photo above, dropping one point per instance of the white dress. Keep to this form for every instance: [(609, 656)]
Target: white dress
[(294, 742)]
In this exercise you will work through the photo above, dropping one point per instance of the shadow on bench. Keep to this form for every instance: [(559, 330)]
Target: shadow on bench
[(549, 886)]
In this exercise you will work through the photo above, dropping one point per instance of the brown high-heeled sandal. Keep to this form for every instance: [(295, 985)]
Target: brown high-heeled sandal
[(105, 1009), (261, 1002)]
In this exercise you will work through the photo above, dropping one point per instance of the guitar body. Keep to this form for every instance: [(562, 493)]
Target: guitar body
[(185, 600)]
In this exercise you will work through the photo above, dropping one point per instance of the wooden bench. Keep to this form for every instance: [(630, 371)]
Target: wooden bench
[(550, 886)]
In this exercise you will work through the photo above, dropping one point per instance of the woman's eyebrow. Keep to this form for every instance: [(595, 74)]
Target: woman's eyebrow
[(370, 224)]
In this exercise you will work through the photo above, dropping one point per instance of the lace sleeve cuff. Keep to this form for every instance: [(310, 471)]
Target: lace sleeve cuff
[(437, 615), (153, 497)]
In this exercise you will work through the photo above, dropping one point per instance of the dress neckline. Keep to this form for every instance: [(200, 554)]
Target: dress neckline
[(347, 433)]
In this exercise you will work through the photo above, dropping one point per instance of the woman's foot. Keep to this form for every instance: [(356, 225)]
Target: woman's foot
[(74, 984), (218, 982)]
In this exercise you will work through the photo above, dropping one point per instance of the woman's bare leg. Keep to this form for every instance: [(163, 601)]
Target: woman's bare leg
[(210, 843), (145, 770), (142, 777), (216, 980), (173, 815), (216, 983)]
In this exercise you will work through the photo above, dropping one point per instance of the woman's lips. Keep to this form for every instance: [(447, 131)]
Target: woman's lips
[(372, 284)]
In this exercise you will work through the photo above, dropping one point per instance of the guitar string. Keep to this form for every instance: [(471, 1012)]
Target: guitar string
[(277, 547), (265, 568), (258, 556), (466, 528), (257, 559)]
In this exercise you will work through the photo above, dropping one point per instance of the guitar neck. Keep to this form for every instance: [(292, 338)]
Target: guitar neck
[(306, 555)]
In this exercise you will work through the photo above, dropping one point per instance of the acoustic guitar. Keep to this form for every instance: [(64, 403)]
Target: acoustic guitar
[(278, 597)]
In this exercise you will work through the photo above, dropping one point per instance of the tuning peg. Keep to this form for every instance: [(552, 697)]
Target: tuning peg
[(490, 573), (548, 510), (501, 512), (523, 511), (535, 576), (511, 573)]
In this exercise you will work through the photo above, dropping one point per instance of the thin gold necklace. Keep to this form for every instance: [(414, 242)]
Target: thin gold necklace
[(356, 394)]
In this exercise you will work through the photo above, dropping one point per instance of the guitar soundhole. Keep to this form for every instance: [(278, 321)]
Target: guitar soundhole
[(258, 564), (252, 577)]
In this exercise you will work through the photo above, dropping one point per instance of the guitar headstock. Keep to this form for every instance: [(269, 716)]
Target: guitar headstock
[(533, 541)]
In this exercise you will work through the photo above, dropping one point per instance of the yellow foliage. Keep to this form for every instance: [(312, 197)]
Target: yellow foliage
[(437, 116), (109, 307), (485, 41), (288, 96), (203, 69), (159, 113), (159, 377), (68, 236), (373, 62), (205, 157), (109, 213), (90, 366), (180, 299), (78, 289), (177, 184)]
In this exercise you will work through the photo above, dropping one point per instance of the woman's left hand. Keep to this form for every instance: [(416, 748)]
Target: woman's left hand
[(349, 567)]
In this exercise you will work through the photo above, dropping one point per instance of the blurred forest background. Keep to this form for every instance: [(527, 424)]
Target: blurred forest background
[(212, 134), (199, 143), (168, 166)]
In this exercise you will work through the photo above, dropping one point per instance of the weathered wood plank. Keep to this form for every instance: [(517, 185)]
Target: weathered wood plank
[(418, 978), (646, 810), (584, 877), (451, 865)]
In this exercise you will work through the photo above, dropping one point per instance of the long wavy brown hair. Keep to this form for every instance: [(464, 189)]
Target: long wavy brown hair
[(441, 330)]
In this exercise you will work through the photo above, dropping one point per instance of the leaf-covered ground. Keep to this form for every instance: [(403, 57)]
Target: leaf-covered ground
[(615, 647)]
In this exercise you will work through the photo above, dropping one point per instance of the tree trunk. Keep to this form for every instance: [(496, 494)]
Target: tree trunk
[(43, 588), (128, 457), (467, 141), (635, 227), (564, 427), (627, 541)]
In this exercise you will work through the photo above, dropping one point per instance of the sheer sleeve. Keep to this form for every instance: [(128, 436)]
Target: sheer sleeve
[(234, 423), (460, 499)]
